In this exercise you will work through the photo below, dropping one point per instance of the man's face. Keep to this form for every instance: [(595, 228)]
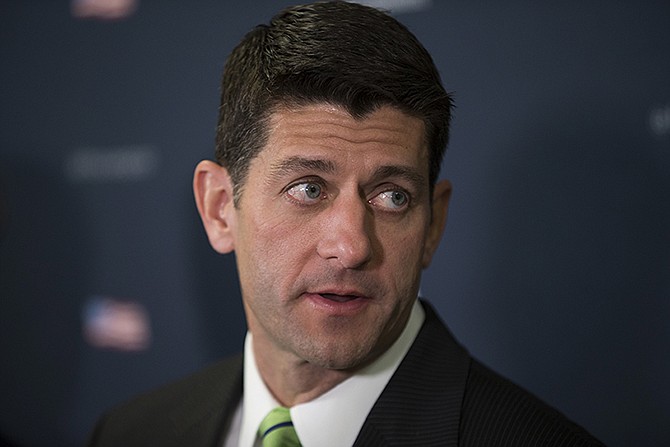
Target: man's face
[(332, 231)]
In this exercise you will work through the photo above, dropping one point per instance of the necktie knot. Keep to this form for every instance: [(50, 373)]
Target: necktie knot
[(276, 430)]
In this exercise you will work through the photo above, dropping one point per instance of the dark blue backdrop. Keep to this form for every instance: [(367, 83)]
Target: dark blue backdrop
[(555, 268)]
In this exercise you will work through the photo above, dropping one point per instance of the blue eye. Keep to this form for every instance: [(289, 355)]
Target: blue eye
[(312, 190), (307, 192), (398, 198), (394, 200)]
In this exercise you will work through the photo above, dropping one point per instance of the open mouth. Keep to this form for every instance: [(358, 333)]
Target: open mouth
[(338, 298)]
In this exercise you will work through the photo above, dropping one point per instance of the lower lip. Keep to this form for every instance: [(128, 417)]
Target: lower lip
[(343, 308)]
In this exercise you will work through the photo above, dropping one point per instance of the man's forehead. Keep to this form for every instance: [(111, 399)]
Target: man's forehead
[(321, 121), (293, 164), (289, 107)]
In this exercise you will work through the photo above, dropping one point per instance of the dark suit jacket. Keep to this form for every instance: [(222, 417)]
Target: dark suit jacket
[(439, 396)]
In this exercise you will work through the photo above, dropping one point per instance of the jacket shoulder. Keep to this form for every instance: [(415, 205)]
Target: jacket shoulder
[(497, 412), (196, 405)]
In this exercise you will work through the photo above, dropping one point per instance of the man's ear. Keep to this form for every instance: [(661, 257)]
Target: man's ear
[(213, 190), (440, 205)]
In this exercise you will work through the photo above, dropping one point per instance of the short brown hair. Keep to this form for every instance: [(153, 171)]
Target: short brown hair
[(336, 52)]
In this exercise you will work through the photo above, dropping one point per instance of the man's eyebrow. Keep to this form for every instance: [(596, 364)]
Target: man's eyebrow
[(295, 164), (411, 175)]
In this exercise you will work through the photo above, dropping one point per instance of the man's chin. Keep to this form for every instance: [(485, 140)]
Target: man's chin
[(345, 357)]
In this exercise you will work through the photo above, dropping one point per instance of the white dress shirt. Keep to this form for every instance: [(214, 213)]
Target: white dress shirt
[(332, 419)]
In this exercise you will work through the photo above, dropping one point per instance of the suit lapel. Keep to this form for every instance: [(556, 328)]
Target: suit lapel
[(422, 401), (205, 413)]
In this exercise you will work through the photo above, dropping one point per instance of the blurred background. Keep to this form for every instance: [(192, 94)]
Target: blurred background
[(555, 266)]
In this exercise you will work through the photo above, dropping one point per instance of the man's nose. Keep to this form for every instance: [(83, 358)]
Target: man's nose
[(346, 235)]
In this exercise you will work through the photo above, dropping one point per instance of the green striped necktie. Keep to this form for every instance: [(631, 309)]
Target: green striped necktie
[(277, 430)]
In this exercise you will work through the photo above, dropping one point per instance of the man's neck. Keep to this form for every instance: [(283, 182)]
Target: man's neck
[(292, 380)]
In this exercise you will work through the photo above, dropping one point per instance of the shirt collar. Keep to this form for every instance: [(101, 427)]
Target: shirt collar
[(257, 399), (335, 417)]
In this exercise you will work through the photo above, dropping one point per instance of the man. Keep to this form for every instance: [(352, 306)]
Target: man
[(332, 128)]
